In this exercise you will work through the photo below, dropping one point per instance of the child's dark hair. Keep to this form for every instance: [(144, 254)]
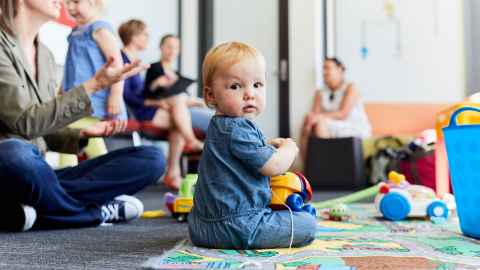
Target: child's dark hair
[(337, 62), (164, 38)]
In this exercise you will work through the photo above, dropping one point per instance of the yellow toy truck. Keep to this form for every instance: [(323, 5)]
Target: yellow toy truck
[(182, 204), (291, 189)]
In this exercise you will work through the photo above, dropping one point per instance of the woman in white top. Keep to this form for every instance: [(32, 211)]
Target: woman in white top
[(337, 110)]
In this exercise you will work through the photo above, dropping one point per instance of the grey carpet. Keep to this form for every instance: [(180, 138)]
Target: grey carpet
[(122, 246)]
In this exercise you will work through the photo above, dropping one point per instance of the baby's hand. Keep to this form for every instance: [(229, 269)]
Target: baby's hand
[(282, 158), (284, 142), (276, 142), (162, 81), (290, 144)]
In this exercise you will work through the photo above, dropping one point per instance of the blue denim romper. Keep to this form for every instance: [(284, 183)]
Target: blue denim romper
[(84, 58), (232, 196)]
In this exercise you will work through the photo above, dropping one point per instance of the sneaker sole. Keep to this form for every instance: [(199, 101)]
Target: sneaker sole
[(20, 218), (30, 217)]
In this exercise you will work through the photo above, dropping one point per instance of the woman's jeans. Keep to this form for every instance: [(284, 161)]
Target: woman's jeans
[(72, 197)]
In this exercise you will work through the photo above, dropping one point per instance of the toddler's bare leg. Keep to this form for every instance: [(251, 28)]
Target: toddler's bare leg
[(176, 143)]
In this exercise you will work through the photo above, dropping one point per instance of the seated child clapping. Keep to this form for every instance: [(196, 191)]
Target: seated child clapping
[(233, 190)]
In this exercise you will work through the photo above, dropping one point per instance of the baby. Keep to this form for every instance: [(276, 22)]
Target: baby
[(233, 190)]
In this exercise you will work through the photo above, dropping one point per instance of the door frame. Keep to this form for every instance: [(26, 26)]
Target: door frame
[(205, 34), (284, 70)]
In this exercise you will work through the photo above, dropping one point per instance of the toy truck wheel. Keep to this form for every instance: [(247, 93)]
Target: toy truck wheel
[(437, 209), (295, 202), (310, 209), (181, 217), (394, 206)]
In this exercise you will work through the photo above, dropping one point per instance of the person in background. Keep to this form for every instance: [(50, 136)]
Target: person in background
[(160, 78), (134, 35), (232, 195), (33, 120), (90, 44), (337, 110)]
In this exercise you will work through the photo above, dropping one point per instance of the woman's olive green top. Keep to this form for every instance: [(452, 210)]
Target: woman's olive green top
[(29, 108)]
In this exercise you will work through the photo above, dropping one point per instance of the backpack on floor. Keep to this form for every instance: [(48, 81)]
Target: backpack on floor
[(418, 166), (385, 158)]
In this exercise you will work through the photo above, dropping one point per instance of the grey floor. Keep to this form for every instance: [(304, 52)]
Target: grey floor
[(122, 246)]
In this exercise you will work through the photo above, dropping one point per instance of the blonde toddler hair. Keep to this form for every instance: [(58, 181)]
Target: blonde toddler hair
[(224, 56)]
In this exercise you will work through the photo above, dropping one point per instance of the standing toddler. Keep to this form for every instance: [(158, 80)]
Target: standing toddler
[(91, 43)]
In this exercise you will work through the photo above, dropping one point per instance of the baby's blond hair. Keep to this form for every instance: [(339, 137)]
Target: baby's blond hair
[(224, 56)]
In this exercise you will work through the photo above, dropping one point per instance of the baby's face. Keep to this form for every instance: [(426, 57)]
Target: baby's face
[(82, 11), (239, 91)]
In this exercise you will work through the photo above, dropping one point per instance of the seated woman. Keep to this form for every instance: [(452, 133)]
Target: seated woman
[(134, 36), (33, 120), (337, 111), (160, 82)]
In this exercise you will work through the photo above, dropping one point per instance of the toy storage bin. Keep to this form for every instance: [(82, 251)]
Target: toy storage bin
[(442, 120), (463, 152)]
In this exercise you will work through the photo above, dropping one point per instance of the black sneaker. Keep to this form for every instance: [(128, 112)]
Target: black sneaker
[(122, 208), (18, 217)]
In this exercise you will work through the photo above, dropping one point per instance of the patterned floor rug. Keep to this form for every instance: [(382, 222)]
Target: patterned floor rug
[(365, 241)]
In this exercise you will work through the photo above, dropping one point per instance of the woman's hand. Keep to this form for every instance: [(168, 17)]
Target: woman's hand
[(109, 74), (163, 81), (311, 118), (104, 129)]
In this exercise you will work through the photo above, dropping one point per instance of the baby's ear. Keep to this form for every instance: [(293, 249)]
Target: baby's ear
[(209, 97)]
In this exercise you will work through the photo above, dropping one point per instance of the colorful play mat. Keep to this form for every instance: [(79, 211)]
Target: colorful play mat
[(365, 241)]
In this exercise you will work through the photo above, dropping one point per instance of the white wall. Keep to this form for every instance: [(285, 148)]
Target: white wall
[(306, 47), (189, 52), (54, 36), (472, 44), (160, 16), (422, 61)]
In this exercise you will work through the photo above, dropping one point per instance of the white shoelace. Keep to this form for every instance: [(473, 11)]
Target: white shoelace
[(112, 211), (291, 221)]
